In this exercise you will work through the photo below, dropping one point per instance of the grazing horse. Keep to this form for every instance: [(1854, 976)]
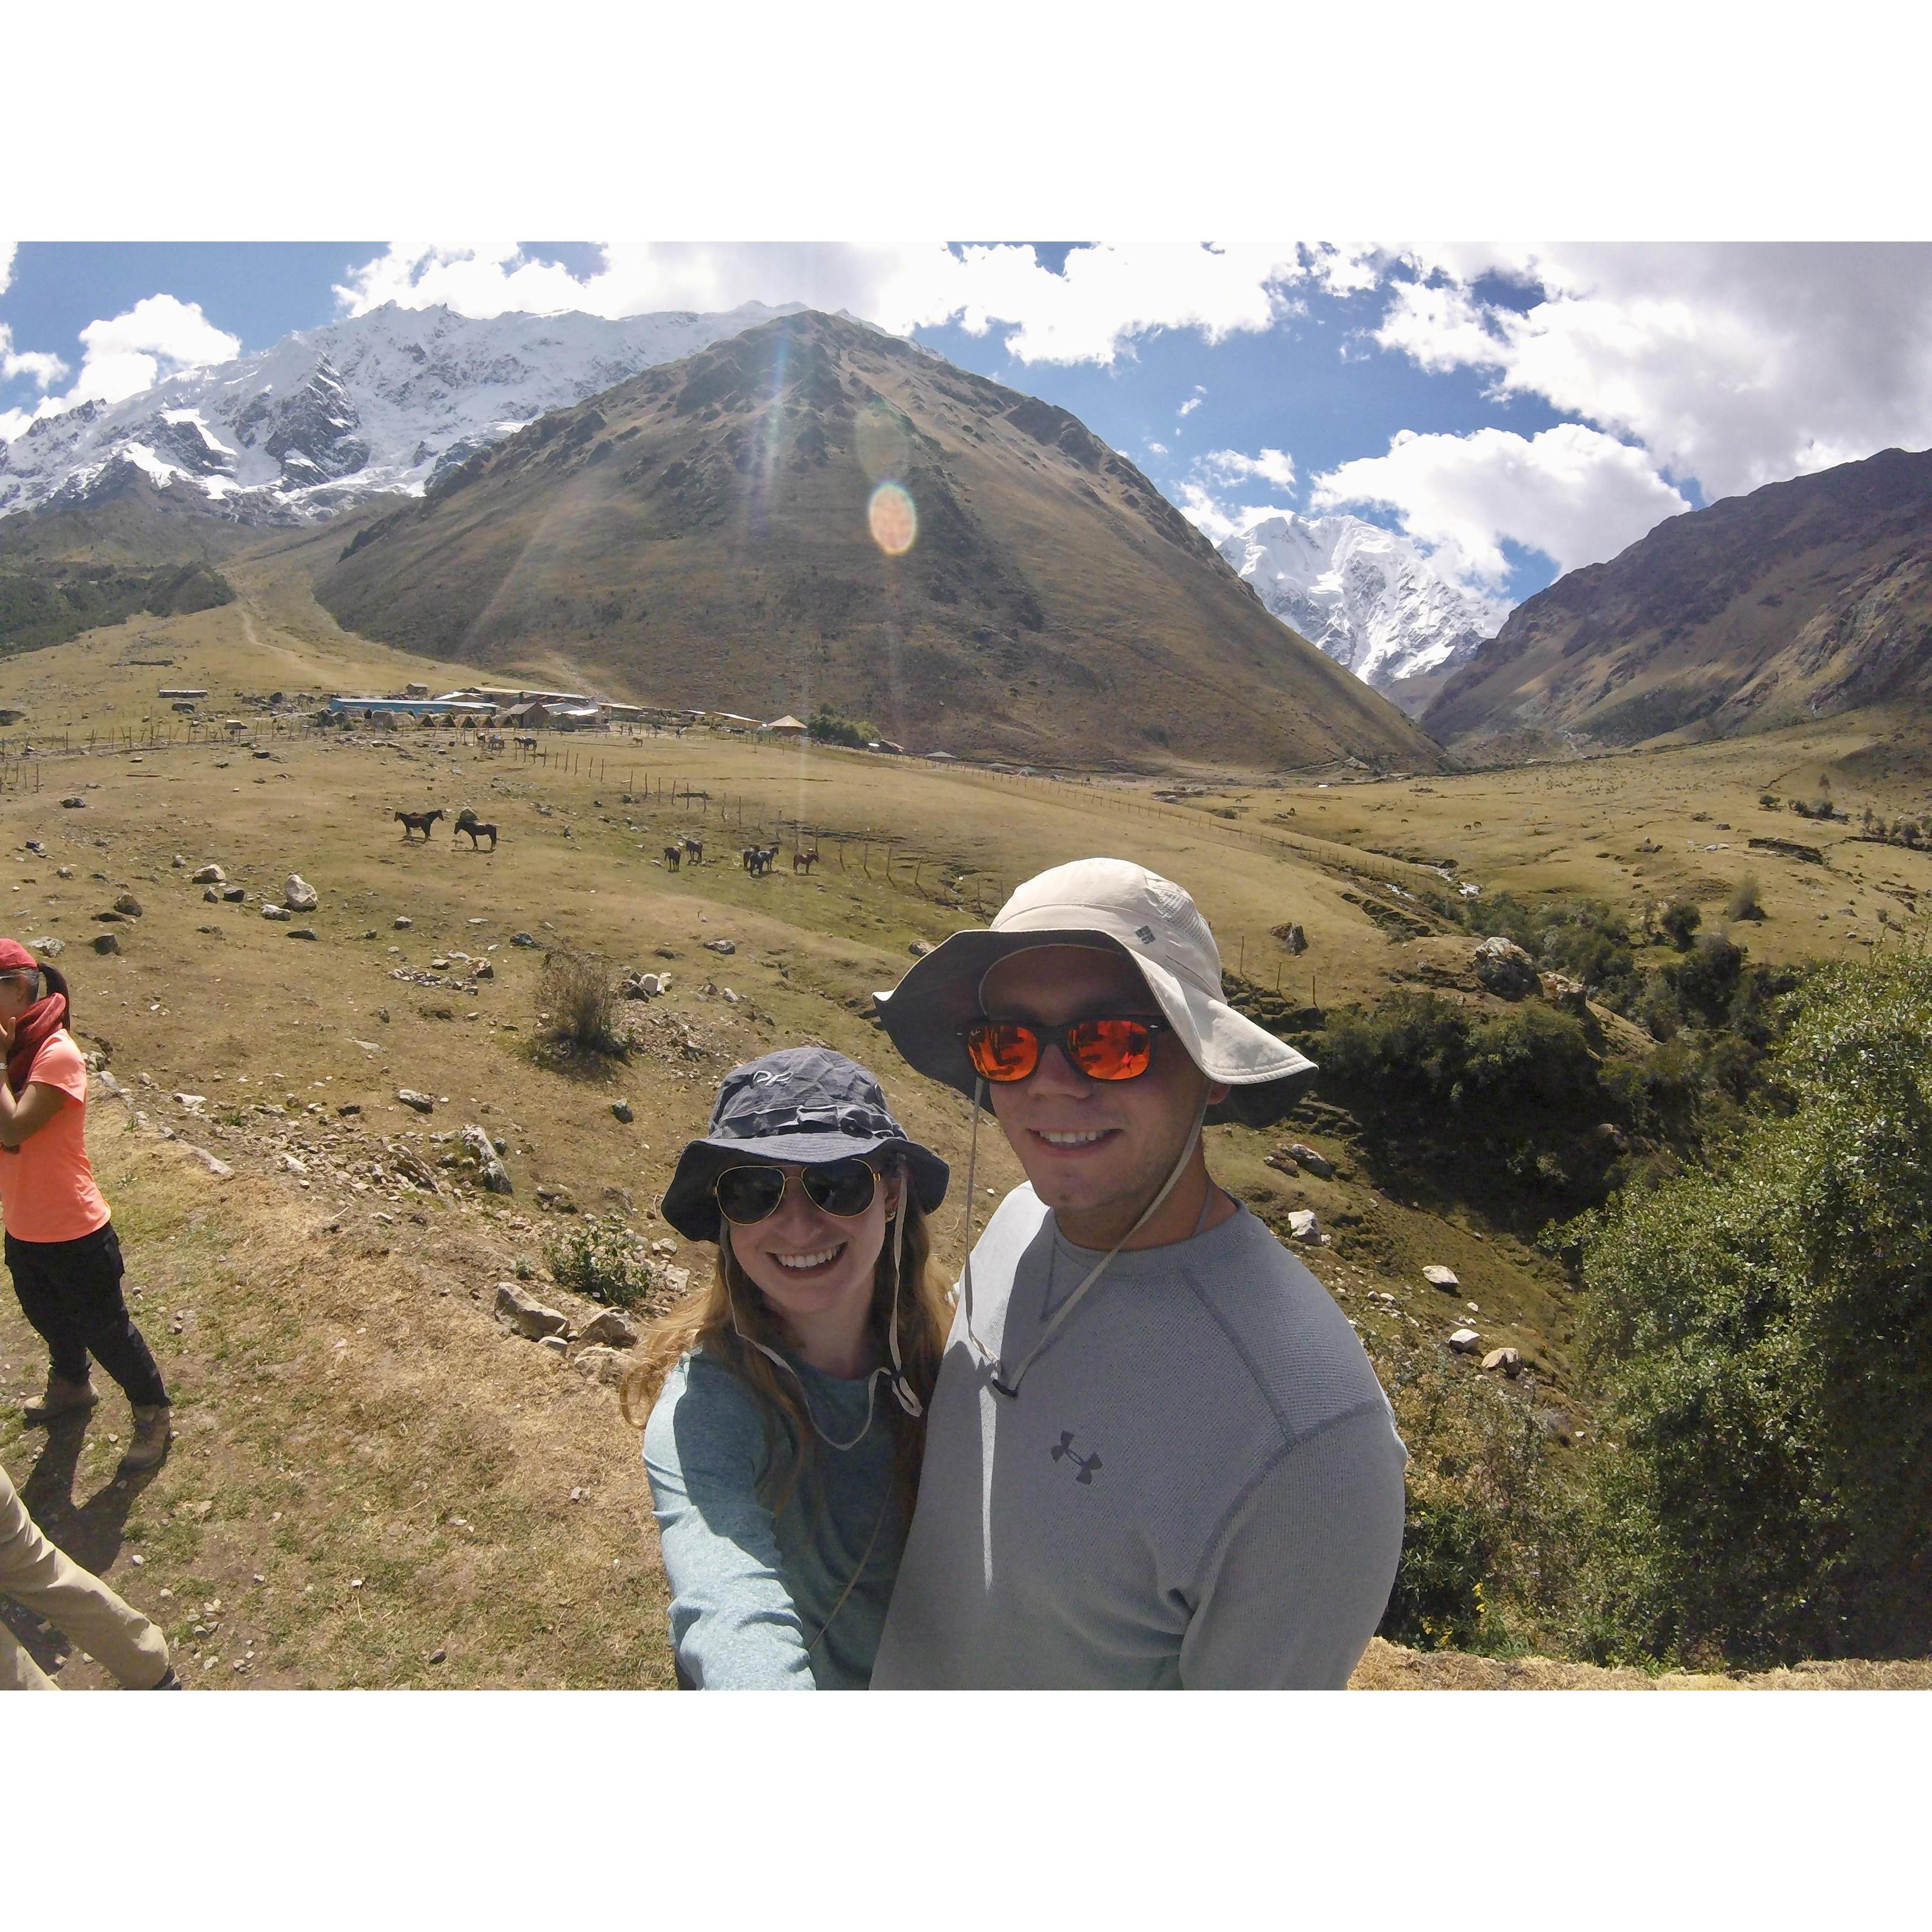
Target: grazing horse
[(750, 857), (672, 856), (694, 847), (419, 821), (803, 862), (523, 743), (466, 820)]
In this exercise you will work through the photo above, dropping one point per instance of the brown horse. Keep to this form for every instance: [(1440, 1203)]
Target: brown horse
[(672, 856), (419, 821), (803, 862)]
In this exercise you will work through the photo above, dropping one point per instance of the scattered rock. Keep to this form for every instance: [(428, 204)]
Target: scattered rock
[(106, 942), (492, 1176), (298, 895), (294, 1164), (521, 939), (1437, 1276), (1317, 1165), (234, 895), (112, 918), (209, 875), (919, 948), (1292, 937), (49, 948), (63, 871), (721, 946), (402, 922), (1282, 1160), (34, 845), (210, 896), (663, 1247), (612, 1328), (1504, 968), (303, 932), (620, 1110), (1611, 1137), (128, 906), (601, 1364), (558, 1199), (73, 804), (1465, 1341), (1507, 1360), (522, 1311), (1566, 995), (622, 1197), (410, 1097), (556, 1344), (484, 970), (274, 912), (349, 1108), (219, 1168), (1303, 1226), (646, 985)]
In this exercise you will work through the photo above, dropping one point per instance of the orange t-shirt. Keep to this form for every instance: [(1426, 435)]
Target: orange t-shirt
[(47, 1187)]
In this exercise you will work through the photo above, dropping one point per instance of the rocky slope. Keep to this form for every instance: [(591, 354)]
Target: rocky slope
[(1363, 595), (329, 417), (725, 532), (1802, 599)]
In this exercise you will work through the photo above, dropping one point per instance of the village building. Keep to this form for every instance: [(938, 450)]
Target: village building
[(787, 727)]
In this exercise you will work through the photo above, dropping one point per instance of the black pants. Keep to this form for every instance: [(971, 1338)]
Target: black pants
[(70, 1291)]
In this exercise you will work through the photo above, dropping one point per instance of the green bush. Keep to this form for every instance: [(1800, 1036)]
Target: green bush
[(833, 727), (604, 1259), (1680, 920), (1762, 1328)]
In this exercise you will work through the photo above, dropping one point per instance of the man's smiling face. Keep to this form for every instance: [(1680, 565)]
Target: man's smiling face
[(1096, 1151)]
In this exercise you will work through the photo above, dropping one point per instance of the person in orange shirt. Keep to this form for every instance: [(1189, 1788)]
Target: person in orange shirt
[(61, 1246)]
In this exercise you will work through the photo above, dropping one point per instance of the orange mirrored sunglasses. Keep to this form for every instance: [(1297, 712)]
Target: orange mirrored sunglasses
[(1005, 1051)]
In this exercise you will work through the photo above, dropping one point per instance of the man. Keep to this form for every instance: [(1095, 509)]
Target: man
[(1157, 1456), (35, 1573)]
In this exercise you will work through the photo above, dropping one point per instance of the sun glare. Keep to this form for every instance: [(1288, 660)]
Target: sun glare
[(893, 519)]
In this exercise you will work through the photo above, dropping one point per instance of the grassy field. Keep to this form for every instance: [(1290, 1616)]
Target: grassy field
[(372, 1474)]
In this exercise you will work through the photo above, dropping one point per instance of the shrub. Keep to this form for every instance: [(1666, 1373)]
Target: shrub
[(577, 994), (604, 1259), (1762, 1329), (1679, 920), (833, 727), (1747, 899)]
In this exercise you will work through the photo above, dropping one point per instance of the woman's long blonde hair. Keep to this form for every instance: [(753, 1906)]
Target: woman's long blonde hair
[(704, 1320)]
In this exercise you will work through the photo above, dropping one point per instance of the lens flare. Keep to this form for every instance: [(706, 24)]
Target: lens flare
[(893, 520)]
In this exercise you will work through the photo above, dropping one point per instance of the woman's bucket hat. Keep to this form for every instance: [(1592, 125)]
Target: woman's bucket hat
[(806, 1104), (1117, 906)]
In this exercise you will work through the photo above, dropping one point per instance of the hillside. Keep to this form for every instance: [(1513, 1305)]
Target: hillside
[(698, 535), (1802, 599)]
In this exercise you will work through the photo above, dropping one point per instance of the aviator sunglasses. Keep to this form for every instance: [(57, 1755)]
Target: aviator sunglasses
[(1005, 1051), (749, 1194)]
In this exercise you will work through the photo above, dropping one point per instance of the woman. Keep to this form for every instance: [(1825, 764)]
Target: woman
[(783, 1475), (61, 1246)]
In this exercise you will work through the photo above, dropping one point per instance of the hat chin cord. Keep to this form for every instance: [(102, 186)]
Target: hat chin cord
[(901, 1388), (1009, 1385)]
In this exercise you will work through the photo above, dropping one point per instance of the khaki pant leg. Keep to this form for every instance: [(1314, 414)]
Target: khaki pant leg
[(18, 1670), (46, 1581)]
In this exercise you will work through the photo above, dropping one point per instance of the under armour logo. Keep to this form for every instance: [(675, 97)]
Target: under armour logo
[(1086, 1464)]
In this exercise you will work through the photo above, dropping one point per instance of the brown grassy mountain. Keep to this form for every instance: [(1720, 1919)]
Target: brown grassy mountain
[(1802, 599), (698, 535), (126, 521)]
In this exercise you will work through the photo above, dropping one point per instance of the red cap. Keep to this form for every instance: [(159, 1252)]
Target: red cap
[(14, 957)]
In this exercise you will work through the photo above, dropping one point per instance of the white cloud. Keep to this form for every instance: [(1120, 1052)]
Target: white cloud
[(46, 370), (1204, 497), (7, 265), (1104, 297), (159, 336), (1736, 364), (1192, 404), (1571, 492), (1230, 466), (1158, 448)]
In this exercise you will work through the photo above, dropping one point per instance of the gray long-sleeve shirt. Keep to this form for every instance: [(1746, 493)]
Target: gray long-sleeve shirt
[(1199, 1484), (751, 1587)]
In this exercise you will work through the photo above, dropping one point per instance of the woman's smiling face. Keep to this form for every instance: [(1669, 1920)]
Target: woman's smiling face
[(807, 1263)]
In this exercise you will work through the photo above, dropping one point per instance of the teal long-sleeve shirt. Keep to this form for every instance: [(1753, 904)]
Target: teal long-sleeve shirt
[(752, 1588)]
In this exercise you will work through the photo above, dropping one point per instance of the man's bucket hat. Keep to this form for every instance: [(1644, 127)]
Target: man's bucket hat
[(1116, 905), (803, 1104)]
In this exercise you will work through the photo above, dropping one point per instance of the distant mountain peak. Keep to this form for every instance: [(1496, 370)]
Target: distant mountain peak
[(1366, 596)]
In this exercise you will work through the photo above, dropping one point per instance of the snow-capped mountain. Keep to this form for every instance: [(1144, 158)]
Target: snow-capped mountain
[(328, 416), (1366, 596)]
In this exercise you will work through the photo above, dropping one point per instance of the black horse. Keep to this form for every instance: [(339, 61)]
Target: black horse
[(420, 821)]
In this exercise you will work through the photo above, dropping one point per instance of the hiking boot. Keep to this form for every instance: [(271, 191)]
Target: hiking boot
[(169, 1682), (62, 1396), (153, 1432)]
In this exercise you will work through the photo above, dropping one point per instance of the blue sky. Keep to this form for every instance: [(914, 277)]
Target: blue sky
[(1516, 410)]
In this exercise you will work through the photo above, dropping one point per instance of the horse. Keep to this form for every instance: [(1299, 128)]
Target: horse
[(524, 743), (695, 848), (672, 856), (419, 821), (750, 858), (472, 824), (803, 862)]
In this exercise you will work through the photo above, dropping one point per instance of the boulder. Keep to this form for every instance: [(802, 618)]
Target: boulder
[(1317, 1165), (1610, 1137), (919, 948), (556, 1344), (234, 895), (128, 906), (1303, 1226), (484, 970), (1504, 968), (613, 1329), (1507, 1360), (63, 871), (303, 932), (402, 922), (620, 1110), (1465, 1341), (218, 1168), (721, 946), (601, 1364), (522, 1311), (492, 1176), (1281, 1159), (209, 875), (521, 939), (274, 912), (1437, 1276), (106, 942), (1566, 995), (423, 1103), (210, 896), (49, 948), (74, 804), (298, 895)]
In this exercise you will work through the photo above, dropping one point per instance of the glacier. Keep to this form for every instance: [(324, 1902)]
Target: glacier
[(1366, 596)]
